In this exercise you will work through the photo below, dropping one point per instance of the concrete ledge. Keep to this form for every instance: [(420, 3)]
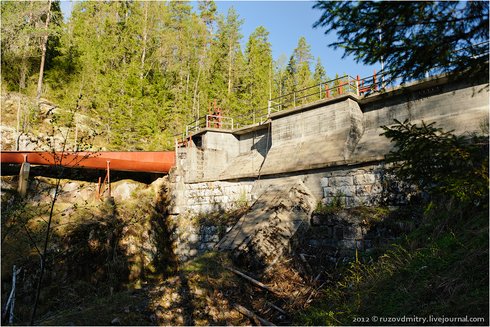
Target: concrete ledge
[(251, 128), (313, 105)]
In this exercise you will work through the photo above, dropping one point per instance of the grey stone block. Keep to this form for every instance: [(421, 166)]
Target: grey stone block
[(341, 181), (364, 179)]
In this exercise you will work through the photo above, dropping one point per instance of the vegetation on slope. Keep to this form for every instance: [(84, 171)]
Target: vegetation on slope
[(142, 70), (439, 269), (96, 248)]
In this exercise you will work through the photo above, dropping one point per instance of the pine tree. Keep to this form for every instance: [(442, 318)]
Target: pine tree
[(258, 55), (320, 75), (122, 61), (303, 58), (225, 56), (302, 52), (208, 15), (279, 76), (27, 27), (291, 80)]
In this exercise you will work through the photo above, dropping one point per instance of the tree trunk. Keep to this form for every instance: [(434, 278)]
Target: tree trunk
[(145, 37), (230, 65), (23, 67), (196, 114), (201, 63), (43, 56)]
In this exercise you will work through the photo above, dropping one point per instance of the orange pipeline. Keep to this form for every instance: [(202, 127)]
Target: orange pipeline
[(150, 162)]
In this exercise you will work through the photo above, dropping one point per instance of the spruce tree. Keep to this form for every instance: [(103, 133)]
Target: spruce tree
[(258, 55), (412, 37), (320, 75)]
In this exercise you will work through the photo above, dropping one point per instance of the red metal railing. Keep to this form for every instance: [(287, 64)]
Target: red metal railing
[(326, 90)]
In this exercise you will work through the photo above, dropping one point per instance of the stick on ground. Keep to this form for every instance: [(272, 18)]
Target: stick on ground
[(252, 315), (250, 279)]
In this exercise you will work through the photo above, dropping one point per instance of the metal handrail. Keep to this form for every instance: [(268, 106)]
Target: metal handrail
[(208, 121), (328, 89), (325, 90)]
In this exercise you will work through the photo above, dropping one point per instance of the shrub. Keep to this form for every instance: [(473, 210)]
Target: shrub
[(439, 162)]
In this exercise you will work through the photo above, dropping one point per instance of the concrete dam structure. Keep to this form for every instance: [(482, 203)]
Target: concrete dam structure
[(333, 146), (326, 151)]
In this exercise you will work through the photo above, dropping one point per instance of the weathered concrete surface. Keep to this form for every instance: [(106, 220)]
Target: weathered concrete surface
[(336, 132), (253, 147), (452, 106), (309, 139), (265, 232), (329, 141)]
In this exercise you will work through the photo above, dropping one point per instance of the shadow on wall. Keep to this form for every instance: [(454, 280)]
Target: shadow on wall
[(263, 145), (195, 234)]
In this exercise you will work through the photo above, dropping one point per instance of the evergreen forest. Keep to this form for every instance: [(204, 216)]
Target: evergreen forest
[(139, 71)]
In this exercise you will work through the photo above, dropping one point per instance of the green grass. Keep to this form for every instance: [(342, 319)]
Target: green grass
[(441, 268), (130, 307)]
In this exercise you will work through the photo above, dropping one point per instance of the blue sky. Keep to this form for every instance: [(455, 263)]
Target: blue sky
[(286, 22)]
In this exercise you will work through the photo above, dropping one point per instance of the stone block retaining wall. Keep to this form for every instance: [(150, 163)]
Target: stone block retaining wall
[(353, 187), (216, 196), (192, 239)]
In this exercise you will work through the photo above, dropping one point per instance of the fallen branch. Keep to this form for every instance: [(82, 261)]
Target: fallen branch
[(252, 315), (313, 292), (272, 305), (250, 279), (308, 267), (9, 306)]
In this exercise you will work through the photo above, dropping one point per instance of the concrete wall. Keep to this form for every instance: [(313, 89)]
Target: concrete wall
[(333, 146), (256, 140), (254, 146), (453, 106), (311, 139)]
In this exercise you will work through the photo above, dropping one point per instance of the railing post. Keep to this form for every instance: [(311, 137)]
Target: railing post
[(268, 107), (109, 177), (320, 91), (25, 168), (294, 98), (357, 85)]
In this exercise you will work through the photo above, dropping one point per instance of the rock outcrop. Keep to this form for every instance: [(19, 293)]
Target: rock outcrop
[(265, 233)]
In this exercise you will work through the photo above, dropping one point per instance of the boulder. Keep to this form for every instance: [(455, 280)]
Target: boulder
[(265, 233), (123, 190)]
